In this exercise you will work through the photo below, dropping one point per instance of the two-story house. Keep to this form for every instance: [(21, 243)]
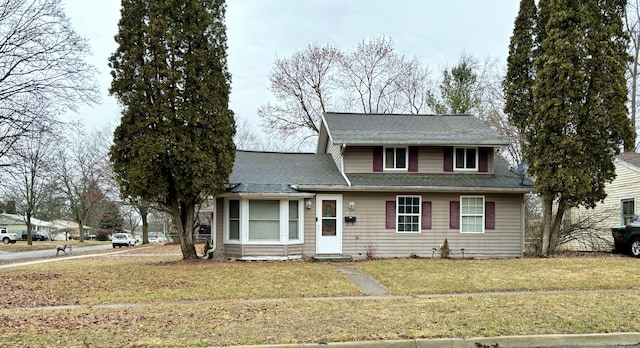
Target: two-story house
[(378, 185)]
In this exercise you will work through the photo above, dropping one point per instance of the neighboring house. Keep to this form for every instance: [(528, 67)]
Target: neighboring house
[(618, 208), (15, 223), (377, 186), (65, 229)]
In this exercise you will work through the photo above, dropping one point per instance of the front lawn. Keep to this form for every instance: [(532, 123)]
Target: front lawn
[(428, 276), (173, 303)]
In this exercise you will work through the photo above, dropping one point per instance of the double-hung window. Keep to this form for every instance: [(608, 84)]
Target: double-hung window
[(395, 158), (472, 214), (234, 219), (628, 210), (466, 158), (408, 214)]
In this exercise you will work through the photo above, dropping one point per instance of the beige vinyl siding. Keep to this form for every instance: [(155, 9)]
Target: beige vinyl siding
[(271, 250), (430, 160), (369, 232), (336, 154), (625, 185), (219, 226), (358, 159), (309, 248)]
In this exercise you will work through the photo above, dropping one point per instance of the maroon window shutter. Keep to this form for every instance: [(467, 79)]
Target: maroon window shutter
[(448, 159), (391, 215), (454, 214), (426, 215), (413, 158), (483, 159), (490, 215), (377, 159)]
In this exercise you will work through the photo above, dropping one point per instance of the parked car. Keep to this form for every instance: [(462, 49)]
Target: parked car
[(123, 239), (35, 235), (626, 238), (7, 237)]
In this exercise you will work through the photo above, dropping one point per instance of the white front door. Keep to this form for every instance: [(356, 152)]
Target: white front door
[(329, 224)]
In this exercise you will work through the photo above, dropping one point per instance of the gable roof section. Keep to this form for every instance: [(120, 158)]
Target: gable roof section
[(276, 172), (630, 160), (394, 129)]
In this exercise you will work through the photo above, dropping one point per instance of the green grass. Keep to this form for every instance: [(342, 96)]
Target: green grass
[(596, 295)]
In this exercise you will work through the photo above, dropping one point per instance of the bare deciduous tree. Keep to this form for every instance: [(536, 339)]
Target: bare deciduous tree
[(303, 85), (372, 78), (42, 67), (28, 178), (632, 27), (85, 173)]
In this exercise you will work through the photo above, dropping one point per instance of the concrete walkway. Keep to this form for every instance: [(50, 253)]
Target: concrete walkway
[(365, 283)]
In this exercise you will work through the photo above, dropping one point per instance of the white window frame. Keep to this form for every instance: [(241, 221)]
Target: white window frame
[(395, 148), (284, 221), (483, 215), (226, 225), (455, 159), (419, 214), (622, 201)]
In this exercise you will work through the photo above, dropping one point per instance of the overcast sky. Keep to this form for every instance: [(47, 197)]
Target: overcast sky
[(437, 32)]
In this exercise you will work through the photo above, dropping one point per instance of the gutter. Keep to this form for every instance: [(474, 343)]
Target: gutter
[(342, 148), (414, 188)]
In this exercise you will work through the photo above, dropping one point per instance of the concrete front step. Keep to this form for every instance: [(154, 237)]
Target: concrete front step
[(332, 258)]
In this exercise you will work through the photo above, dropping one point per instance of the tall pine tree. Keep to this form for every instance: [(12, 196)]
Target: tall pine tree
[(579, 119), (518, 82), (174, 145)]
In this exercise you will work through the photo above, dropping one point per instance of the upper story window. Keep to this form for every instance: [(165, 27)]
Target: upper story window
[(466, 158), (395, 158)]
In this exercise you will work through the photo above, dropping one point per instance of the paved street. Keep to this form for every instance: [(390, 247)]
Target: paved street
[(37, 254)]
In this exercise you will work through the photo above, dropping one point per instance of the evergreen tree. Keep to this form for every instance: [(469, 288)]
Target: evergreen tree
[(518, 82), (460, 90), (579, 118), (174, 145), (111, 219)]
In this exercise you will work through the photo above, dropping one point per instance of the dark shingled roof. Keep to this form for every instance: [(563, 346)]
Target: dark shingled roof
[(274, 172), (632, 158), (380, 129), (502, 179)]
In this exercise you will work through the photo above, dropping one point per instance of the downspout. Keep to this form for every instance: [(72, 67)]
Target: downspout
[(342, 148)]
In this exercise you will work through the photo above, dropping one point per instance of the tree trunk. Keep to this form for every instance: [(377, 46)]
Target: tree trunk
[(546, 226), (551, 225), (183, 218), (144, 212)]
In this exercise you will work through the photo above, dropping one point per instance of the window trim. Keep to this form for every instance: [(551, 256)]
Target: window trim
[(465, 169), (419, 214), (622, 201), (483, 215), (395, 148), (283, 218)]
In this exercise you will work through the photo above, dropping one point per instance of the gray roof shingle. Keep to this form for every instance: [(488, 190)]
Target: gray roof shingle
[(633, 158), (380, 129), (275, 172)]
